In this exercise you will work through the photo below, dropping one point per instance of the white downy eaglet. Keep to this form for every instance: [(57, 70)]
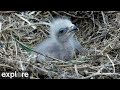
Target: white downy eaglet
[(61, 44)]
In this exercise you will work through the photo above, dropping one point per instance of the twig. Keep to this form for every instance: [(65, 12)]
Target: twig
[(7, 11), (95, 74), (8, 26), (111, 62), (110, 43), (76, 70), (34, 27), (73, 15), (0, 26), (104, 20), (3, 65)]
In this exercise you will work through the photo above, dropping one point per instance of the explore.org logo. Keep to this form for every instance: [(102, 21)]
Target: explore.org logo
[(14, 74)]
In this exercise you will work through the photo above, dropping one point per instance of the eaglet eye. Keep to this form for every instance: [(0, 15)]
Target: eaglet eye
[(62, 31)]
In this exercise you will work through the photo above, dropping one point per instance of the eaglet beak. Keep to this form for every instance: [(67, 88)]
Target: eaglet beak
[(73, 29)]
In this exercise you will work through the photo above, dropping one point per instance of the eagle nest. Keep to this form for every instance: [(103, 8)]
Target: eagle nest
[(98, 30)]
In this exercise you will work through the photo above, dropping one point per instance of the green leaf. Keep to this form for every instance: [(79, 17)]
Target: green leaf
[(23, 46)]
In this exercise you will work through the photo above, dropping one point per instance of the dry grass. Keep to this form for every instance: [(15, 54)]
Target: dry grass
[(98, 30)]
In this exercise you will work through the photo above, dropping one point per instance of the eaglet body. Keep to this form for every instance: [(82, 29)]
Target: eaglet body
[(61, 44)]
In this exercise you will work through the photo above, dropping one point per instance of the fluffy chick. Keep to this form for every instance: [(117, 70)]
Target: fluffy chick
[(61, 44)]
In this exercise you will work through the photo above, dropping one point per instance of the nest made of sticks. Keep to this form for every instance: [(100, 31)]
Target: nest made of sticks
[(99, 30)]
